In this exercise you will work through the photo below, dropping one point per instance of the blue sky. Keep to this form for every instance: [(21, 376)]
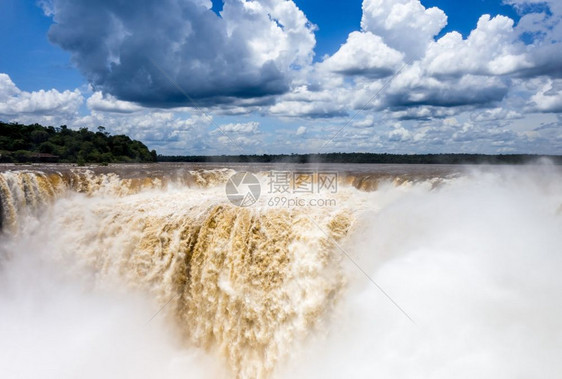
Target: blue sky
[(286, 76), (30, 60)]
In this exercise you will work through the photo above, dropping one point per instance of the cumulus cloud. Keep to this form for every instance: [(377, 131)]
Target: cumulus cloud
[(493, 48), (496, 114), (399, 134), (108, 103), (257, 57), (314, 103), (393, 85), (240, 143), (541, 23), (169, 132), (364, 54), (425, 113), (413, 87), (367, 122), (441, 77), (167, 53), (240, 128), (549, 97), (19, 105), (405, 25)]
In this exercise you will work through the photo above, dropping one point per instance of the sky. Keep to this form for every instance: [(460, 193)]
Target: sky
[(208, 77)]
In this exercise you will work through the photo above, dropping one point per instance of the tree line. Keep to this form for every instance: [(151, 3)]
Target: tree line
[(37, 143), (366, 158)]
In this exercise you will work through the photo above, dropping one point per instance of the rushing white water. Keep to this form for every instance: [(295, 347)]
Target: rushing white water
[(475, 262)]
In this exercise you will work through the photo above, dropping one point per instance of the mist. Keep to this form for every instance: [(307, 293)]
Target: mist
[(56, 323), (476, 264)]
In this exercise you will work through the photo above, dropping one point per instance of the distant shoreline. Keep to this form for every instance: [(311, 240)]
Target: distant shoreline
[(367, 158)]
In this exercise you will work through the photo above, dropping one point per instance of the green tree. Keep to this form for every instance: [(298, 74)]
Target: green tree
[(17, 141), (39, 136), (48, 147)]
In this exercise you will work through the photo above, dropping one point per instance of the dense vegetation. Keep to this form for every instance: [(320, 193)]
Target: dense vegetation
[(366, 158), (36, 143)]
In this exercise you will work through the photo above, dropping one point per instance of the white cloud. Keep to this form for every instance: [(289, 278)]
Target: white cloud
[(238, 144), (496, 114), (303, 102), (414, 87), (275, 30), (405, 25), (399, 134), (541, 23), (239, 128), (7, 88), (169, 132), (17, 105), (525, 5), (425, 112), (444, 77), (366, 54), (549, 97), (492, 48), (188, 52), (108, 103), (498, 89), (367, 122)]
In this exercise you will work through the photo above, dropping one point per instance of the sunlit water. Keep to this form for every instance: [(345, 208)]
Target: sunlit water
[(149, 271)]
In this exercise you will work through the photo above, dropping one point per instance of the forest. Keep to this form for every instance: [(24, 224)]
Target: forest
[(380, 158), (36, 143)]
